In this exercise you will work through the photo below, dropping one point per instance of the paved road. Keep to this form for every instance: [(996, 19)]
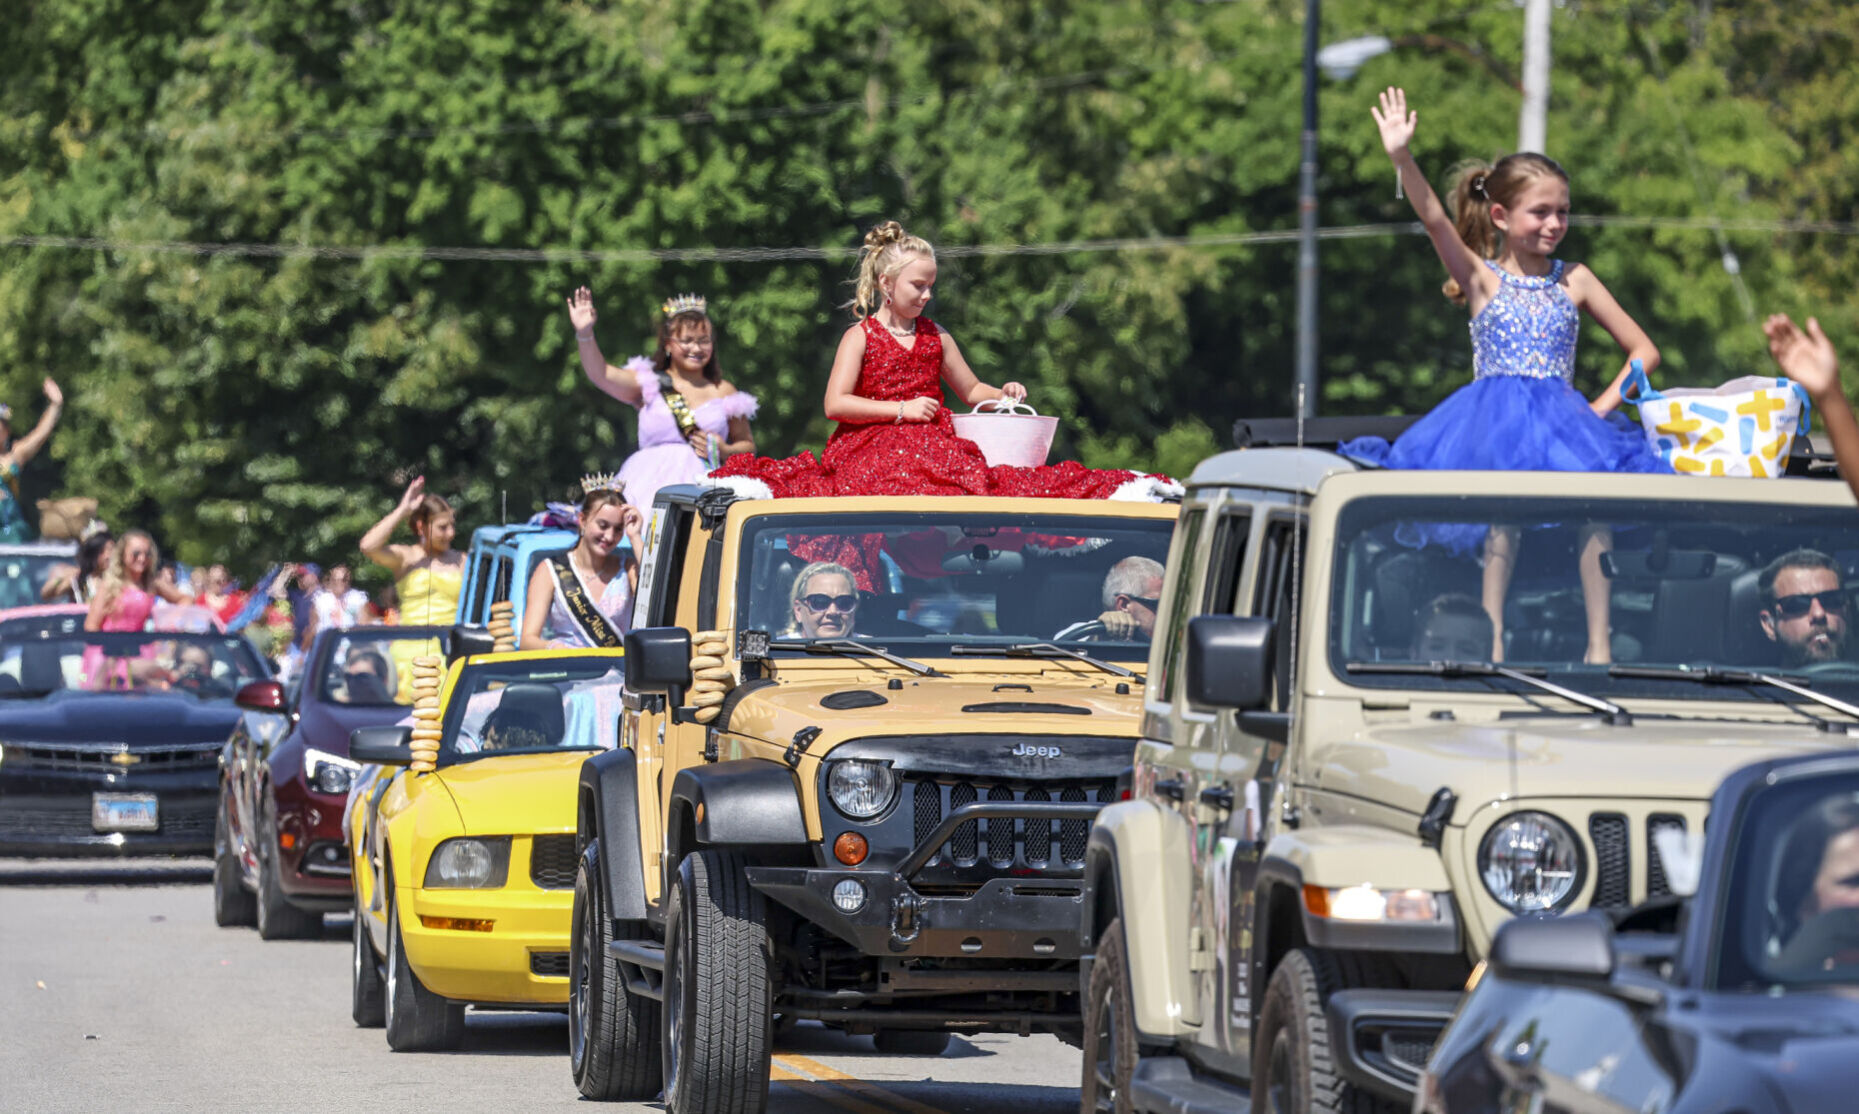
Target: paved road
[(117, 992)]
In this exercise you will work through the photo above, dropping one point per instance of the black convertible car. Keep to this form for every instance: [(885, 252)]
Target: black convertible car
[(1744, 998), (110, 743)]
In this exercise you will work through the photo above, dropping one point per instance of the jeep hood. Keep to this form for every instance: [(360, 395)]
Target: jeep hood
[(1678, 759), (978, 704), (516, 794)]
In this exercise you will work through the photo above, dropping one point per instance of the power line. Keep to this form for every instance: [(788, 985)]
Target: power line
[(827, 252)]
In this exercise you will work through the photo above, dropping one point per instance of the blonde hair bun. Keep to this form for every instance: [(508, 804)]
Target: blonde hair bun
[(885, 234)]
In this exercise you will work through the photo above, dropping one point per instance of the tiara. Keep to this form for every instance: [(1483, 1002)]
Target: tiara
[(684, 303), (602, 481)]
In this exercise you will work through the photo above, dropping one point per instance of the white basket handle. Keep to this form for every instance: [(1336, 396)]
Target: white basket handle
[(1004, 406)]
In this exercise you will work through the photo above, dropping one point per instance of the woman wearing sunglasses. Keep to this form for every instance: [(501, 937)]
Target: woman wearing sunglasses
[(824, 601), (1804, 608)]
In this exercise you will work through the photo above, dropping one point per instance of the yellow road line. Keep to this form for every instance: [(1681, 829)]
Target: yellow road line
[(854, 1084)]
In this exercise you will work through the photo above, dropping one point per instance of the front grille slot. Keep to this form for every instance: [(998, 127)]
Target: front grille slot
[(552, 861), (111, 758), (1001, 844), (552, 965), (1657, 884), (1613, 861)]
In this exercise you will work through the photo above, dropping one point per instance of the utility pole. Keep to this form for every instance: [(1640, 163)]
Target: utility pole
[(1307, 223), (1533, 122)]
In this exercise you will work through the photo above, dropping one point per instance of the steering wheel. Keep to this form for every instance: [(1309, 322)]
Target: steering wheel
[(1092, 631), (1844, 670)]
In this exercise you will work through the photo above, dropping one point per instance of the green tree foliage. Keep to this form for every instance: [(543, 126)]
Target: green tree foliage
[(251, 406)]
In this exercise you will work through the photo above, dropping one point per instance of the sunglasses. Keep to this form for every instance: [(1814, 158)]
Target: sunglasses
[(819, 601), (1795, 606), (1149, 602)]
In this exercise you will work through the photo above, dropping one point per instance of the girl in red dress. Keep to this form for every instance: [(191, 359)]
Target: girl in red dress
[(895, 436)]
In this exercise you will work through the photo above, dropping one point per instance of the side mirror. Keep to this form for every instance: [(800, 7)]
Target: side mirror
[(658, 660), (466, 641), (382, 746), (1229, 661), (262, 696), (1577, 947)]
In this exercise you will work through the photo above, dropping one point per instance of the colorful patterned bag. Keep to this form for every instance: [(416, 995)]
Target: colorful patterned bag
[(1743, 428)]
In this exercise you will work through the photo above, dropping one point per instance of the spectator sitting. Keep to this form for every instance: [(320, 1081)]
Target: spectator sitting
[(1454, 627)]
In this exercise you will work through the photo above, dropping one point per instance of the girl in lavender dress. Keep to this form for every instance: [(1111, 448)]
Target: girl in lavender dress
[(1520, 412), (691, 419)]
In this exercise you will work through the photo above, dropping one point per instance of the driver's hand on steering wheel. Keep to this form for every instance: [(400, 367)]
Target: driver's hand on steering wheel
[(1119, 625)]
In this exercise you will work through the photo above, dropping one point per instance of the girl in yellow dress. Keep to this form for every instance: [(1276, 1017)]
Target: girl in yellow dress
[(428, 575)]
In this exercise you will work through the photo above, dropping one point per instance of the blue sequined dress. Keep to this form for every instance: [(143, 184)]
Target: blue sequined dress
[(1520, 412)]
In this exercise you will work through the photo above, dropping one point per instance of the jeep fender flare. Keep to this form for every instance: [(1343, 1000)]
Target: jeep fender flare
[(1137, 867), (1337, 857), (607, 813), (745, 802)]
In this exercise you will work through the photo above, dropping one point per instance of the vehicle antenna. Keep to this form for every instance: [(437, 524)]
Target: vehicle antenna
[(1297, 573)]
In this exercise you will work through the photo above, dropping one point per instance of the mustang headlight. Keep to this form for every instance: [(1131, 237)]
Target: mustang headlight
[(1531, 862), (859, 788), (469, 864), (328, 773)]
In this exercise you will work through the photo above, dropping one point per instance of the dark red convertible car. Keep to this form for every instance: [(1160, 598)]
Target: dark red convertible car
[(279, 857)]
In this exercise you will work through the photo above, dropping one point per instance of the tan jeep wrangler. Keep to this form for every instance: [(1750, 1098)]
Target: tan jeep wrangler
[(862, 743), (1339, 795)]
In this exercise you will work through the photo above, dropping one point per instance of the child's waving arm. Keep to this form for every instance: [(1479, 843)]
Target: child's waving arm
[(1397, 126), (964, 382), (1588, 293), (616, 381)]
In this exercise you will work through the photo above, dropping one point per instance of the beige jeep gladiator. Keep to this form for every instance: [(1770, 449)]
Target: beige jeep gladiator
[(1350, 775)]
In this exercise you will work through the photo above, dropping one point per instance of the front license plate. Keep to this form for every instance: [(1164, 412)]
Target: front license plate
[(123, 812)]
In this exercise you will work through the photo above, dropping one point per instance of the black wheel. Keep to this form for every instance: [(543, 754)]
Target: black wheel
[(369, 993), (1293, 1070), (417, 1019), (233, 904), (613, 1034), (277, 918), (910, 1042), (718, 990), (1110, 1048)]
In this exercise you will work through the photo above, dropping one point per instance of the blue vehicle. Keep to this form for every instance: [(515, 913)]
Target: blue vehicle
[(499, 565)]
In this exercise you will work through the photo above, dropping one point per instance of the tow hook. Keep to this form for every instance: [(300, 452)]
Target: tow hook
[(906, 920)]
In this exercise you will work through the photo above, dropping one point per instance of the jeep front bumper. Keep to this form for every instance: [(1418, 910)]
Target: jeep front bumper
[(1010, 917)]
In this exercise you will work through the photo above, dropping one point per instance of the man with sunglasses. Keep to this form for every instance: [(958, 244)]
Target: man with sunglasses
[(824, 601), (1132, 592), (1804, 605)]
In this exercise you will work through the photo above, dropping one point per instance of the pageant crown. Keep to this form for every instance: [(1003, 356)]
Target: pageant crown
[(602, 481), (684, 303)]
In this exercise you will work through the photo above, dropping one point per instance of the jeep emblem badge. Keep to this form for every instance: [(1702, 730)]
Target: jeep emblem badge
[(1027, 750)]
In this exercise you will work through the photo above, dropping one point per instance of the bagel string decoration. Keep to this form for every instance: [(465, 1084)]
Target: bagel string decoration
[(502, 626), (427, 671), (711, 676)]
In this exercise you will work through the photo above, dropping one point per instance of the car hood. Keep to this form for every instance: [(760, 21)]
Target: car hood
[(515, 794), (993, 703), (327, 726), (1802, 1045), (132, 717), (1679, 759)]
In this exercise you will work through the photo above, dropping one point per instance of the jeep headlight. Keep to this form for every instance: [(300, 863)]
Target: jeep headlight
[(859, 788), (328, 773), (1530, 862), (469, 864)]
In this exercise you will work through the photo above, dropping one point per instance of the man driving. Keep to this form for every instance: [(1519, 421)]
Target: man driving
[(1132, 592), (824, 601), (365, 676), (1804, 605)]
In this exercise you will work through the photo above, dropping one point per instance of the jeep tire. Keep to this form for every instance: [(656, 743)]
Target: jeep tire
[(417, 1019), (718, 990), (613, 1034), (1110, 1049), (1293, 1069)]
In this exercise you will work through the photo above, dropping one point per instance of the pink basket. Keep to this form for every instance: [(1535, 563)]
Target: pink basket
[(1008, 433)]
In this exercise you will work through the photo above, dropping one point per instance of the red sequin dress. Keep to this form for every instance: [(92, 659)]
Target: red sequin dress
[(913, 458)]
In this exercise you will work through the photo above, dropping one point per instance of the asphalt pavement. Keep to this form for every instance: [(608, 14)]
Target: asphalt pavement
[(118, 992)]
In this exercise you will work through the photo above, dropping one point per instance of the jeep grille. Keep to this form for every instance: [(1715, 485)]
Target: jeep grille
[(1004, 843), (1610, 833)]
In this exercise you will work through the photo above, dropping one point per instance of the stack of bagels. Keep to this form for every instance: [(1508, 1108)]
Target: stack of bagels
[(426, 673), (711, 679), (503, 631)]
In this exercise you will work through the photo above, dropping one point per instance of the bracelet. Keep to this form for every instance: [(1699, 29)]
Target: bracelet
[(900, 413), (584, 337)]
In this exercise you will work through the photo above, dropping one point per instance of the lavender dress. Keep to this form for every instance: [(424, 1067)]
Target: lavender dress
[(664, 457)]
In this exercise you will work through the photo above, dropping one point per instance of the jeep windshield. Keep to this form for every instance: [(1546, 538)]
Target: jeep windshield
[(531, 706), (1700, 597), (919, 584)]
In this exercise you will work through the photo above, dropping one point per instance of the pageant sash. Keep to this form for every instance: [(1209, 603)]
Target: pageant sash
[(680, 409), (593, 624)]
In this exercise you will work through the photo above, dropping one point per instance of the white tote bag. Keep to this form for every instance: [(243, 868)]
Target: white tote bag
[(1743, 428)]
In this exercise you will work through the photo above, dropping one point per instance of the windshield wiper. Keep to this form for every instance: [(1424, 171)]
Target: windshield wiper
[(1615, 714), (1712, 675), (1047, 650), (853, 648)]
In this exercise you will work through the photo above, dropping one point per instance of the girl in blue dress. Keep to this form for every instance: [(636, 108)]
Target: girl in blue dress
[(1520, 412)]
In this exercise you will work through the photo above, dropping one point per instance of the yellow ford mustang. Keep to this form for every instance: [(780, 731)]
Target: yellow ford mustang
[(464, 876)]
